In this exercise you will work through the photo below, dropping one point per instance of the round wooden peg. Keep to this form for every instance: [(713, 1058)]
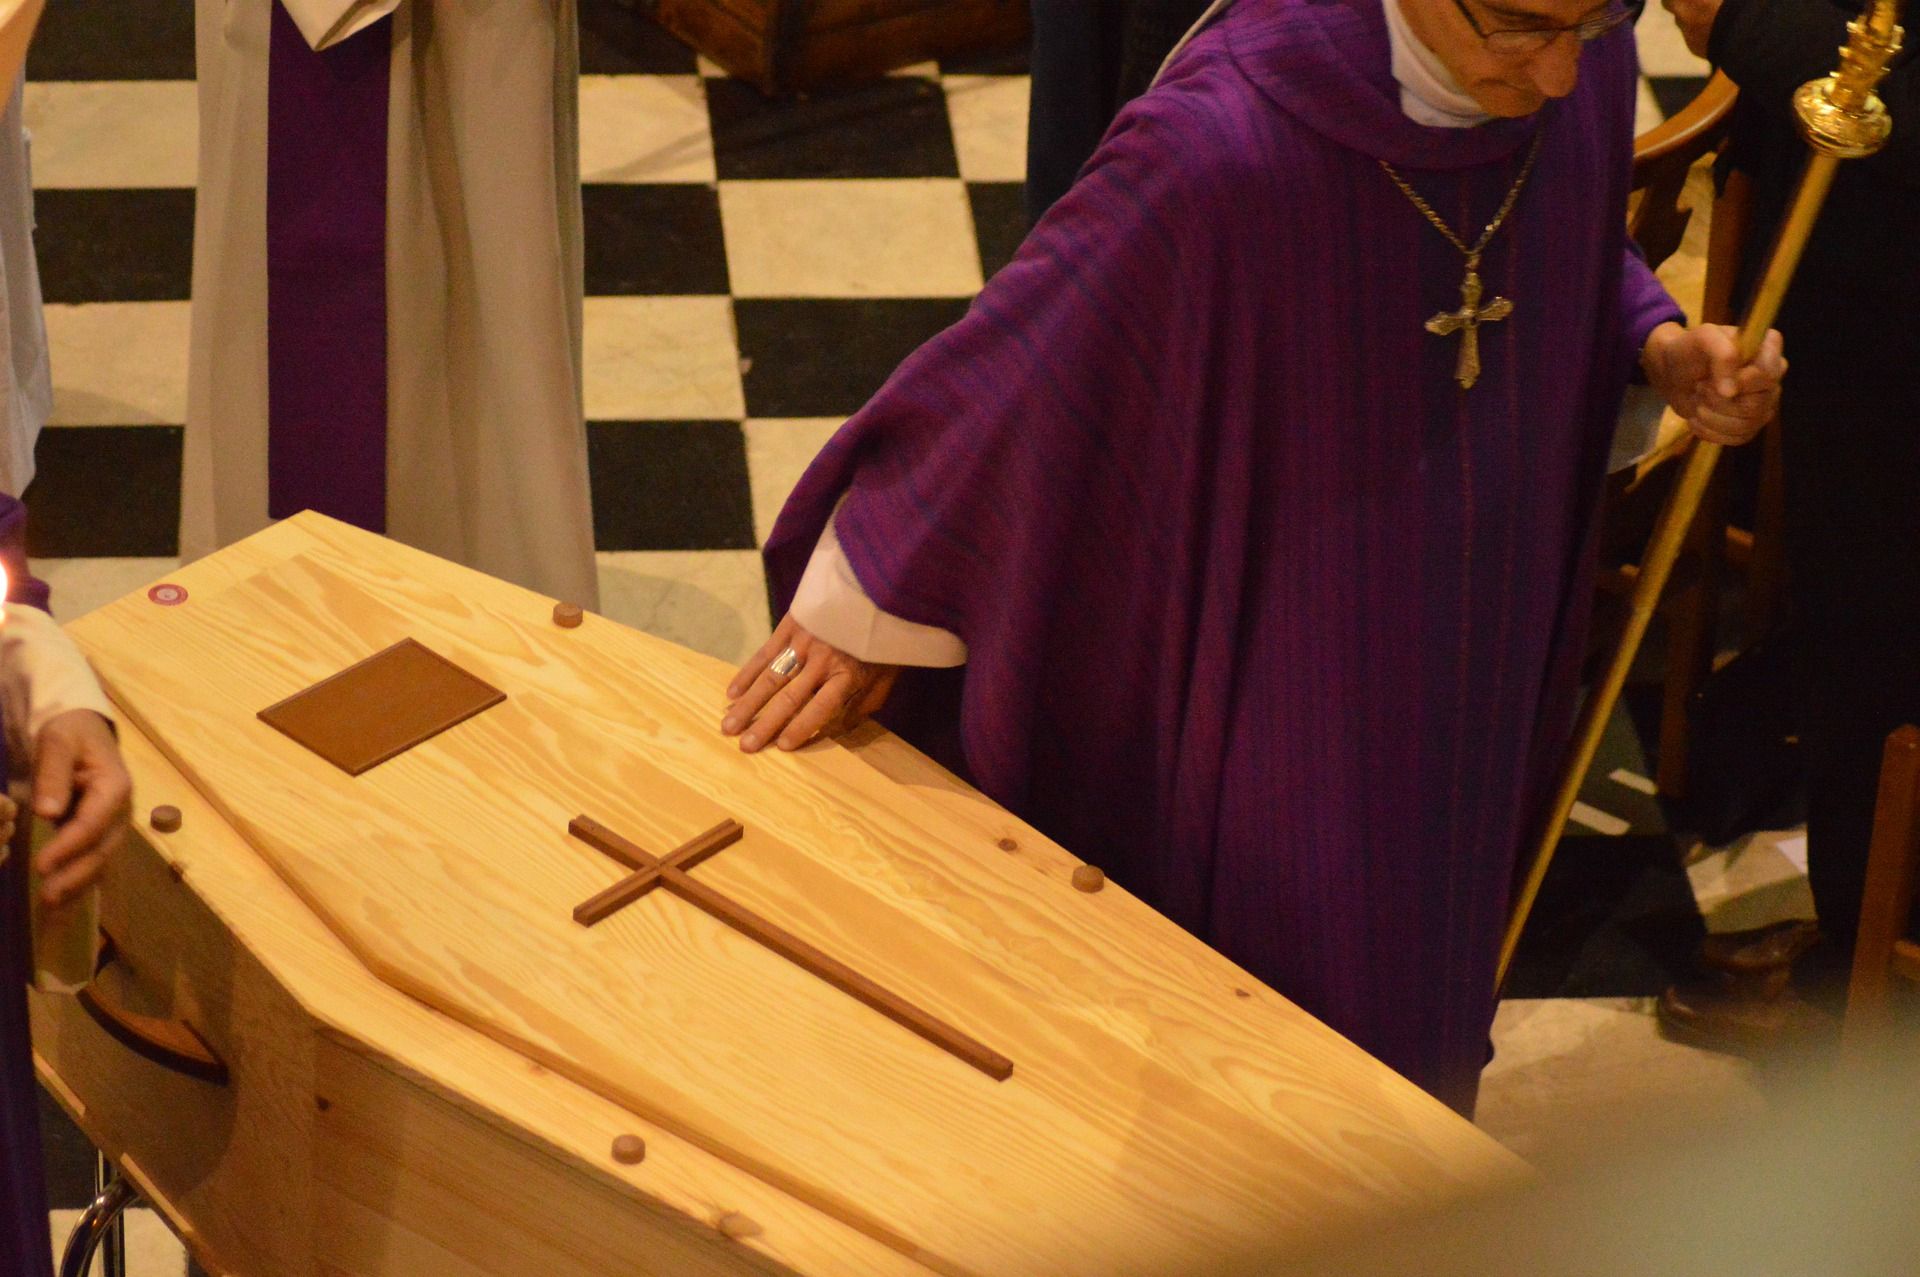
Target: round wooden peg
[(1089, 878), (629, 1150), (568, 615), (738, 1226), (165, 819)]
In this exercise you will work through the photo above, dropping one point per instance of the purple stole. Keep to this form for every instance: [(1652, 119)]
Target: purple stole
[(25, 1247), (327, 275)]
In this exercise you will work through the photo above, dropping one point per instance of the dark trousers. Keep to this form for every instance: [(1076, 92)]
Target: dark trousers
[(1852, 436), (1090, 58)]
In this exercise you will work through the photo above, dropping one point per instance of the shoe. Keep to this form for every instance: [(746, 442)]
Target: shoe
[(1771, 948), (1726, 1015)]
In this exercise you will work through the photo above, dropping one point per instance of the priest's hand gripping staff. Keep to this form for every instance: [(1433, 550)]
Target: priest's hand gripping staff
[(1841, 118)]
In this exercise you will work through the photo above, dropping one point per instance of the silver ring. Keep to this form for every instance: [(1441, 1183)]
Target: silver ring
[(784, 665)]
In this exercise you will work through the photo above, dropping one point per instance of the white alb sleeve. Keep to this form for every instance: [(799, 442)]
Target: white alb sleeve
[(327, 22), (832, 607), (42, 676)]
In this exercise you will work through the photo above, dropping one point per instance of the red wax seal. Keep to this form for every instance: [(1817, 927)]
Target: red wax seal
[(168, 595)]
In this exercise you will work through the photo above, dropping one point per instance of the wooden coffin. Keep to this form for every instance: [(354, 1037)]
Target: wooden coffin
[(425, 1062), (783, 45)]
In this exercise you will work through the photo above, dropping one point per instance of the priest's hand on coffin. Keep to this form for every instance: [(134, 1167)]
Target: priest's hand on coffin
[(1699, 373), (80, 784), (797, 687)]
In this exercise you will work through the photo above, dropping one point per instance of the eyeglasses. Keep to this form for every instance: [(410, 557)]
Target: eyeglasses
[(1517, 42)]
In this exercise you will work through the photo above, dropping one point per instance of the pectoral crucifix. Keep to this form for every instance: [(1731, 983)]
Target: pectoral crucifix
[(1466, 321), (670, 871)]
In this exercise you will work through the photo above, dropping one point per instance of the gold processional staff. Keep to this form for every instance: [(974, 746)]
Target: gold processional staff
[(1841, 118)]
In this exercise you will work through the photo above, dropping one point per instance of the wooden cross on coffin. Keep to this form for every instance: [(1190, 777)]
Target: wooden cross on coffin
[(670, 872)]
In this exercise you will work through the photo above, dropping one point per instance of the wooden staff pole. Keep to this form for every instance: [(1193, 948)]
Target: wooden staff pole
[(1841, 119)]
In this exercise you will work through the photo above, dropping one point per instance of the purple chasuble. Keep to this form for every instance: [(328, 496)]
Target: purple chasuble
[(25, 1247), (327, 274), (1267, 616)]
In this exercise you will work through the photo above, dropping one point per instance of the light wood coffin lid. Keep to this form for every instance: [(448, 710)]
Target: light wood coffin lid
[(444, 1067), (1156, 1120)]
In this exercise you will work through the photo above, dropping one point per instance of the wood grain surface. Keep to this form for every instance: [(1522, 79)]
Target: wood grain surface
[(1168, 1112), (669, 873)]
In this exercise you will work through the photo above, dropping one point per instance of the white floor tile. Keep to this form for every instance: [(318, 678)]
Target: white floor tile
[(119, 363), (152, 1250), (1599, 821), (1760, 879), (1646, 110), (778, 453), (113, 133), (1663, 50), (713, 601), (989, 114), (1562, 1065), (81, 585), (644, 128), (1633, 780), (662, 359), (857, 238)]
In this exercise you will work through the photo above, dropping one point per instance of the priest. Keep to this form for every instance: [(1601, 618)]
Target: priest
[(1251, 506), (387, 281)]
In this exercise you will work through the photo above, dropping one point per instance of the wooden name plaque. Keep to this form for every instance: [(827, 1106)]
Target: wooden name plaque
[(867, 1023), (381, 707), (783, 45)]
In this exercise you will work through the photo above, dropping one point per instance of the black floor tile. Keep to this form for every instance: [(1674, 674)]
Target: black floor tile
[(69, 1159), (114, 246), (113, 40), (1673, 92), (105, 492), (618, 38), (654, 240), (1616, 918), (1008, 61), (999, 222), (896, 127), (670, 485), (819, 358)]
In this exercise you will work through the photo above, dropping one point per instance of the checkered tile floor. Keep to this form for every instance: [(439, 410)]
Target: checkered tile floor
[(754, 271)]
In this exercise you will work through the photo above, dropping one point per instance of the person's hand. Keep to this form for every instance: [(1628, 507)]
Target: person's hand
[(1698, 372), (80, 784), (1695, 20), (818, 689)]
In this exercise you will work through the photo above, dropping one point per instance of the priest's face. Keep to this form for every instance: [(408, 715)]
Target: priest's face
[(1510, 56)]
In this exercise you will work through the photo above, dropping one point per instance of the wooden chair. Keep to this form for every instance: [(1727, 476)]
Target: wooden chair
[(1886, 950), (1664, 157)]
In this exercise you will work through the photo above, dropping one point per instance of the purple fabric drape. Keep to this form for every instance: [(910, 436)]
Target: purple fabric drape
[(24, 1243), (25, 1247), (327, 275)]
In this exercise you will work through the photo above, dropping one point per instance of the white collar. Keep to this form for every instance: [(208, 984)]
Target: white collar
[(1428, 92)]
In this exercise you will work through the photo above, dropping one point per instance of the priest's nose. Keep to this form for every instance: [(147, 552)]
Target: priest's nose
[(1557, 67)]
